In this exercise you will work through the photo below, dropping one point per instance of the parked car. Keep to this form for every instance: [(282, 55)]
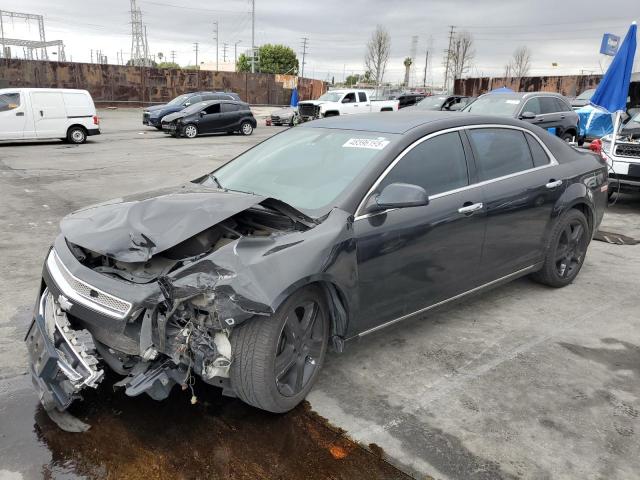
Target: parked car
[(284, 116), (550, 111), (408, 99), (319, 235), (210, 117), (343, 102), (152, 116), (583, 99), (442, 102), (47, 113), (624, 161)]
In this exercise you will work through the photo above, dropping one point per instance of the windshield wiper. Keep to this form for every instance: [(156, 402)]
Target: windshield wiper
[(215, 180)]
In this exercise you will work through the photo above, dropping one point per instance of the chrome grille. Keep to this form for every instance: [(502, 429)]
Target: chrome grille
[(89, 294), (628, 150)]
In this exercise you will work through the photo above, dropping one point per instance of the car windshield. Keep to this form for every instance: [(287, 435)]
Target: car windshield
[(494, 104), (431, 103), (308, 168), (178, 100), (586, 95), (330, 97)]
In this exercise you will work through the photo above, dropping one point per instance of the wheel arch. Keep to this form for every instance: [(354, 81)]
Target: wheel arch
[(332, 113), (86, 131), (577, 196)]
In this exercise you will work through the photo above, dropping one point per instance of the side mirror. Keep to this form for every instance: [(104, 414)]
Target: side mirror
[(398, 195), (202, 113), (186, 104), (527, 116)]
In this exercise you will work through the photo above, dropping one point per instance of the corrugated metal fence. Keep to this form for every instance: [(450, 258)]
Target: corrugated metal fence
[(115, 84)]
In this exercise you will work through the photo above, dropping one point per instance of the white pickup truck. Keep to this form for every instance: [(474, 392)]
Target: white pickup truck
[(343, 102)]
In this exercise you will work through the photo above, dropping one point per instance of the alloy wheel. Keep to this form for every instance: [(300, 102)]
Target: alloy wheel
[(190, 131), (299, 348), (571, 248), (247, 128)]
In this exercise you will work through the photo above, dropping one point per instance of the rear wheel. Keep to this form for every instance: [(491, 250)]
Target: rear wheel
[(568, 136), (567, 247), (190, 131), (246, 128), (76, 135), (276, 360)]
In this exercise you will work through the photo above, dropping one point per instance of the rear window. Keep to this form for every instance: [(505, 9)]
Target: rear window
[(230, 107), (500, 152)]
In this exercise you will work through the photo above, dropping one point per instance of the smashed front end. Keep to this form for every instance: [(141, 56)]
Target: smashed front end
[(156, 308)]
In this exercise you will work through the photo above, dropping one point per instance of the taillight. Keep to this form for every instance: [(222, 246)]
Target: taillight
[(96, 120)]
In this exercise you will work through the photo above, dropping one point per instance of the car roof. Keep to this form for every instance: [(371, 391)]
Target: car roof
[(526, 94), (389, 122)]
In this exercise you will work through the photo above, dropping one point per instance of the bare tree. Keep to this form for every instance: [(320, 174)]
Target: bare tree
[(521, 62), (461, 54), (377, 55)]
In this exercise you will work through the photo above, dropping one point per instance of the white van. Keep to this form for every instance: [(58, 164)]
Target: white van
[(39, 113)]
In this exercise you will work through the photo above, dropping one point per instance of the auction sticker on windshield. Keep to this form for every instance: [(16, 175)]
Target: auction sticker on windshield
[(372, 143)]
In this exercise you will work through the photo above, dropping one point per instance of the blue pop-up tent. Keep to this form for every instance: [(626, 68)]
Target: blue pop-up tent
[(612, 92), (501, 90)]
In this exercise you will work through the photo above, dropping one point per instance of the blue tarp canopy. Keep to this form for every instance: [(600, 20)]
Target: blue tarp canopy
[(501, 90), (294, 98), (613, 90)]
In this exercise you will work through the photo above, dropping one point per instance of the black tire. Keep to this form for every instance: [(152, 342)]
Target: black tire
[(76, 135), (567, 247), (246, 128), (261, 343), (158, 127), (567, 136)]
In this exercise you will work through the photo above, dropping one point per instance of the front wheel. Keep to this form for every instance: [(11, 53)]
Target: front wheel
[(246, 128), (566, 250), (276, 360), (190, 131)]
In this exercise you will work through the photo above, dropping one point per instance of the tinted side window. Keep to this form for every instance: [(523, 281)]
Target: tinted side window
[(499, 152), (194, 99), (533, 106), (437, 165), (209, 96), (540, 157), (229, 107), (362, 96), (215, 108), (9, 101), (548, 105), (350, 97), (561, 105)]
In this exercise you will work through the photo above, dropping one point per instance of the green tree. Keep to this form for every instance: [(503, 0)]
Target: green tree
[(168, 65), (271, 59)]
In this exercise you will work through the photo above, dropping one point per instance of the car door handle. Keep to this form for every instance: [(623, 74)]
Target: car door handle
[(41, 113), (469, 209), (553, 184), (355, 105), (19, 114)]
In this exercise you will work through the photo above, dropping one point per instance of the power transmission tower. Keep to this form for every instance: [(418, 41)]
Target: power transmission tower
[(448, 53), (224, 52), (253, 36), (305, 40), (215, 26), (173, 56), (195, 49), (139, 47)]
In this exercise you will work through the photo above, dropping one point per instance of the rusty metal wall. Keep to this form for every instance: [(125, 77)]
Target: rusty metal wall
[(569, 85), (139, 85)]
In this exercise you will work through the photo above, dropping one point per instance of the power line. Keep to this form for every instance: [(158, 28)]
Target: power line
[(305, 40)]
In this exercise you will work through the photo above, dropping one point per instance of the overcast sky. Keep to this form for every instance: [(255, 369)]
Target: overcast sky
[(566, 32)]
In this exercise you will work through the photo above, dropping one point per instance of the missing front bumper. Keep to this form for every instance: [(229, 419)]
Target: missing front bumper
[(62, 360)]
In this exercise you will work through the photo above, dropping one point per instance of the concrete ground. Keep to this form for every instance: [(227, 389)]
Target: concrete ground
[(521, 382)]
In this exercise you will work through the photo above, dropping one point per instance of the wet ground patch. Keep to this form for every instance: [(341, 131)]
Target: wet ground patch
[(135, 438)]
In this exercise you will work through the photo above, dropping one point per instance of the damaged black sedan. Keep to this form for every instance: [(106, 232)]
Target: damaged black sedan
[(318, 235)]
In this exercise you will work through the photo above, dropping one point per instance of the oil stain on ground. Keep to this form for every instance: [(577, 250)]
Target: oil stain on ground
[(138, 438)]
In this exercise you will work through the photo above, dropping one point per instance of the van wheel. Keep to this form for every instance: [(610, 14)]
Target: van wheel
[(276, 360), (76, 135)]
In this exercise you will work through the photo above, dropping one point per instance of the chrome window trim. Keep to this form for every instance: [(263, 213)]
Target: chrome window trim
[(54, 265), (522, 271), (552, 162)]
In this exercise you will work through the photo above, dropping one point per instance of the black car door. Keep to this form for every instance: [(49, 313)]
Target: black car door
[(230, 116), (209, 119), (412, 258), (521, 186)]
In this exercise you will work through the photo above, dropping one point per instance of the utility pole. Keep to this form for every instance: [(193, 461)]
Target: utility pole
[(215, 26), (426, 63), (253, 36), (195, 49), (92, 55), (446, 70), (235, 54), (173, 56), (304, 53), (224, 52)]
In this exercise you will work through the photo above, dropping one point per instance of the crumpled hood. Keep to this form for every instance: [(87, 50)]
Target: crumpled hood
[(173, 116), (135, 228), (312, 102), (155, 108)]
